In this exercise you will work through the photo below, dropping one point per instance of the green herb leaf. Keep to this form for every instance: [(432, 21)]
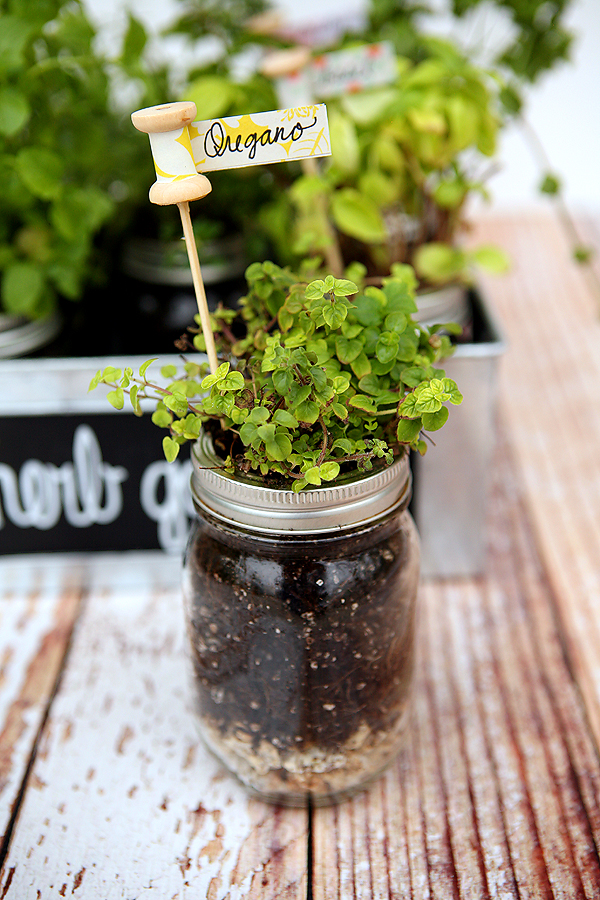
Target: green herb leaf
[(14, 110), (395, 322), (116, 398), (95, 380), (282, 380), (307, 412), (22, 288), (177, 402), (144, 367), (259, 415), (359, 401), (440, 262), (248, 433), (370, 384), (313, 475), (340, 411), (387, 347), (347, 350), (434, 421), (357, 215), (315, 290), (491, 259), (344, 288), (135, 403), (329, 470), (280, 447), (162, 417), (234, 381), (170, 448), (408, 430), (361, 365), (340, 384), (283, 417), (110, 374), (41, 171)]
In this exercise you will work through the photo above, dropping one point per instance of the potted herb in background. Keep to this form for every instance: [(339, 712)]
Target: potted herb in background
[(406, 158), (54, 178), (403, 167), (302, 568)]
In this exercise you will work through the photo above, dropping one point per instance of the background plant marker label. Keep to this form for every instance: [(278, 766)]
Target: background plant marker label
[(343, 72), (260, 138)]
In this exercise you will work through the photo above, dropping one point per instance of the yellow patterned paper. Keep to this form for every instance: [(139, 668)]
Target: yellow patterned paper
[(260, 138), (172, 154)]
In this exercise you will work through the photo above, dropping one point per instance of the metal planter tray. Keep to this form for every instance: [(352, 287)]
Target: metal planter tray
[(451, 480), (76, 475)]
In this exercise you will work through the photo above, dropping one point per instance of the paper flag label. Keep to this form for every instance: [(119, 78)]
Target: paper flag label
[(354, 69), (268, 137)]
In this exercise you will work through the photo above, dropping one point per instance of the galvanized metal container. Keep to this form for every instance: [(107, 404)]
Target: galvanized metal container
[(20, 336), (451, 480)]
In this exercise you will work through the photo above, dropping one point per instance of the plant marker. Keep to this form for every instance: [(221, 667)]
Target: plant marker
[(178, 182), (287, 70)]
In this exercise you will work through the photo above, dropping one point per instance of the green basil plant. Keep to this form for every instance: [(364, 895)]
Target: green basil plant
[(405, 160)]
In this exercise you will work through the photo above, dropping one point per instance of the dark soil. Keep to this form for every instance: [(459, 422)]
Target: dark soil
[(299, 641)]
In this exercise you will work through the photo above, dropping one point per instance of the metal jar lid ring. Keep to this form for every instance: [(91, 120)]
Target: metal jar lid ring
[(351, 501)]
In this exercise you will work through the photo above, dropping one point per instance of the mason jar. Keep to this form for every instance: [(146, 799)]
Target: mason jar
[(300, 613)]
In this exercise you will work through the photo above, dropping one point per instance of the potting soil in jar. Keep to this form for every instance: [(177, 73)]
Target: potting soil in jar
[(301, 624)]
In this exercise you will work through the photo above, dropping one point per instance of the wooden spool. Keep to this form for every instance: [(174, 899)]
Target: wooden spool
[(167, 127), (285, 62)]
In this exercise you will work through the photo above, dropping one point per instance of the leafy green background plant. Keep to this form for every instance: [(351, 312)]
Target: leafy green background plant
[(534, 39), (405, 159), (74, 179), (54, 179), (324, 377)]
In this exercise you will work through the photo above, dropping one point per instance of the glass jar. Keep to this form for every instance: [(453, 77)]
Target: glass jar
[(300, 612)]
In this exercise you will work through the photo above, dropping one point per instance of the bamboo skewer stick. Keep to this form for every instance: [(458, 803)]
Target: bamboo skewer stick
[(192, 250), (177, 183)]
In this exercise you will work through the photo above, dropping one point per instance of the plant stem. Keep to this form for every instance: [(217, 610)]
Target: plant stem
[(325, 440)]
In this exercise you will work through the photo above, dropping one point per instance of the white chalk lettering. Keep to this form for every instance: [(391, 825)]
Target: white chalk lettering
[(88, 490), (172, 513)]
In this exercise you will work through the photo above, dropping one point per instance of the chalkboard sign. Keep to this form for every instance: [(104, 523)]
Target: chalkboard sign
[(76, 475)]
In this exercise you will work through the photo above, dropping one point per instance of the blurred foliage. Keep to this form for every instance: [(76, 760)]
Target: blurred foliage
[(405, 159), (538, 38), (55, 174), (74, 174)]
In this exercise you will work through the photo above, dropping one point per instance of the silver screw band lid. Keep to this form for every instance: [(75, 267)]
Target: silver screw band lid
[(244, 500)]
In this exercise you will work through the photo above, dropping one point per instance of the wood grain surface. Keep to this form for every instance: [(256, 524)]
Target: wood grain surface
[(38, 609), (122, 800), (550, 308), (497, 793)]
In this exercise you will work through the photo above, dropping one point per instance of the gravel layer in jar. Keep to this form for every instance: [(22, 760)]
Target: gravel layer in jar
[(302, 652)]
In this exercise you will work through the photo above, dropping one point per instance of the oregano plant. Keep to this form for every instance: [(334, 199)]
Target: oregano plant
[(317, 377)]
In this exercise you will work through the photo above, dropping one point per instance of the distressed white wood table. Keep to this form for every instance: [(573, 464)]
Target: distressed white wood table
[(106, 793)]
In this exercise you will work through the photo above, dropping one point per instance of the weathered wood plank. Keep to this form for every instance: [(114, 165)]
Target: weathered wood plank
[(38, 607), (123, 801), (549, 397), (497, 794)]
